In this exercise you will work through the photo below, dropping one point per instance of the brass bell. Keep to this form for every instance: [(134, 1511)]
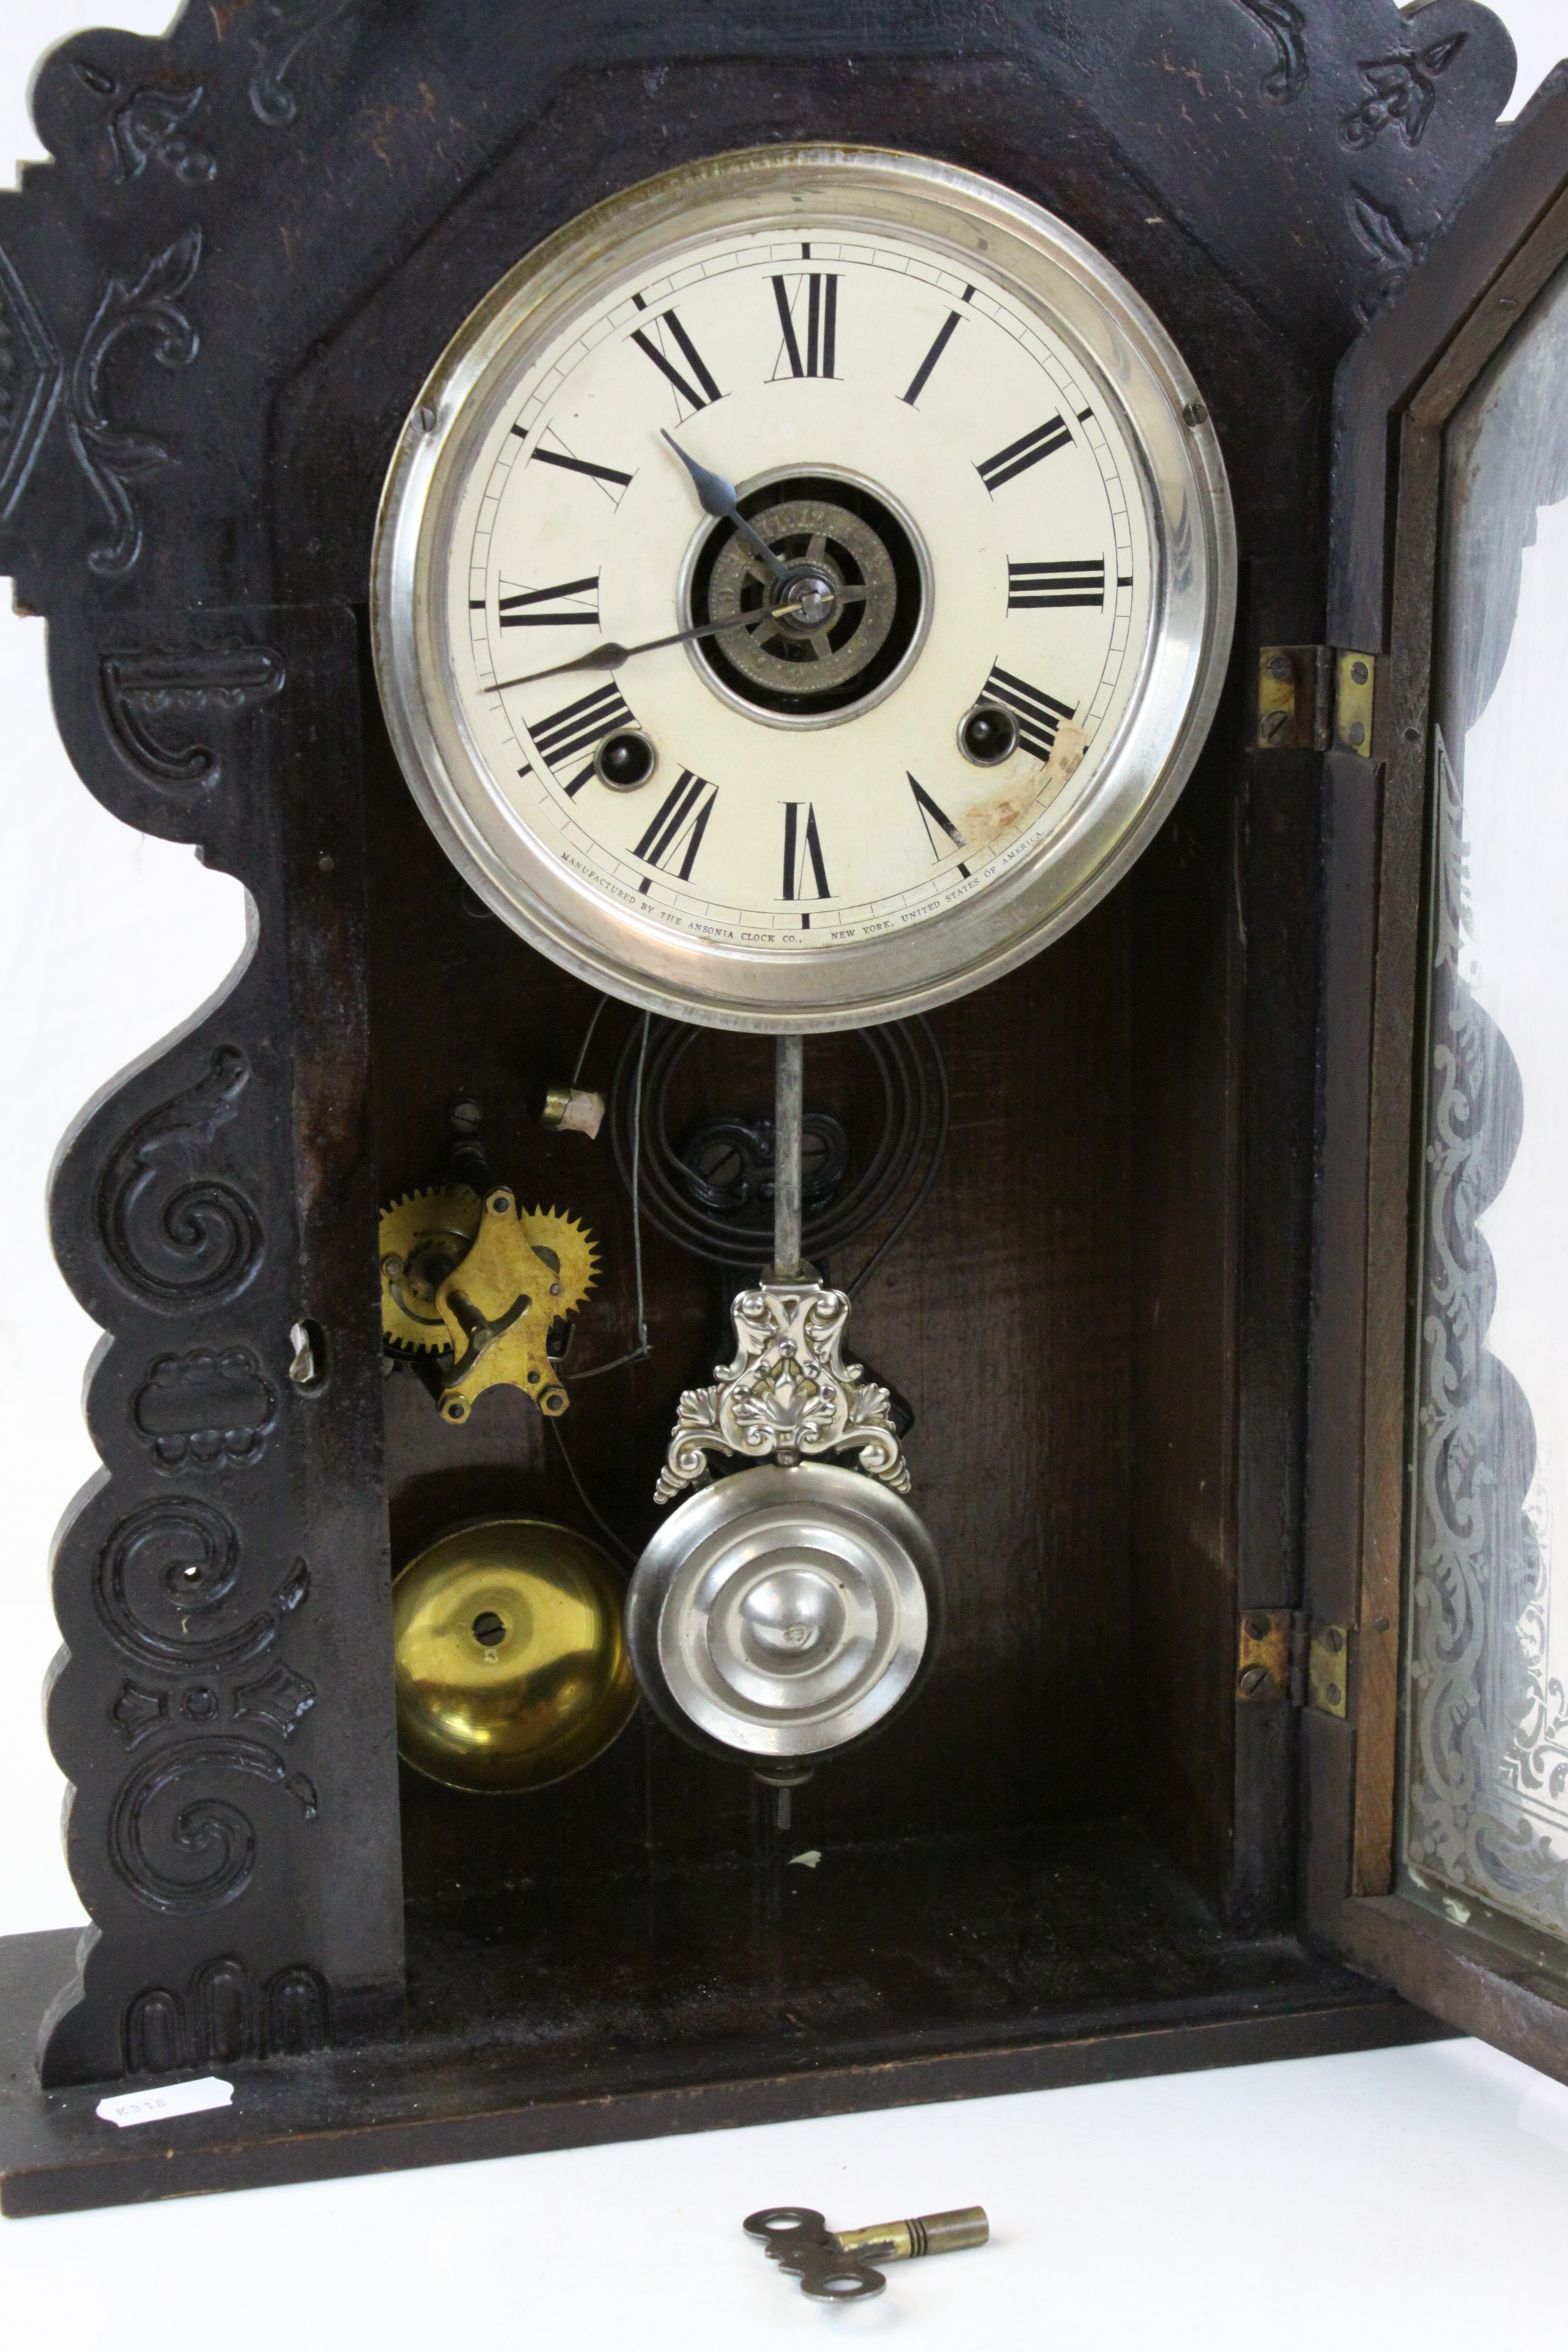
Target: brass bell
[(511, 1666)]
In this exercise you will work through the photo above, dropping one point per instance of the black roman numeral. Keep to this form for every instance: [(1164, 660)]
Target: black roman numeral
[(811, 301), (1038, 714), (1026, 451), (698, 389), (677, 830), (922, 375), (583, 723), (803, 849), (1035, 587), (610, 479), (529, 608), (934, 818)]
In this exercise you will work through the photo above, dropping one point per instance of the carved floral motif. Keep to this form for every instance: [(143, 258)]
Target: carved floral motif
[(1396, 249), (150, 125), (1403, 92), (114, 456)]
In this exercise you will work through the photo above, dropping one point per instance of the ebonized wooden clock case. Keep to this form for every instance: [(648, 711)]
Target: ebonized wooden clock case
[(1154, 1320)]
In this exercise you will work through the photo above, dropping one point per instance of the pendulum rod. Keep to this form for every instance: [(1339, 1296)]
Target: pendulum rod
[(788, 1113)]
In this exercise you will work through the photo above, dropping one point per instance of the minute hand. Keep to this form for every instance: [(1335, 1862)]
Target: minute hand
[(611, 656)]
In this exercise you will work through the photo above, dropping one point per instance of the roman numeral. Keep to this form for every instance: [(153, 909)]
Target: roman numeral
[(922, 375), (803, 848), (934, 818), (677, 830), (1038, 714), (1026, 451), (698, 389), (528, 608), (816, 296), (1035, 587), (572, 731), (610, 479)]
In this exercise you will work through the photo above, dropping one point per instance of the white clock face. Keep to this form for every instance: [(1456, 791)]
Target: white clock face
[(775, 575)]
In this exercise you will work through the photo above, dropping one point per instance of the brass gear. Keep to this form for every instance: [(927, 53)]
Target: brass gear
[(571, 1253), (423, 1237), (521, 1274)]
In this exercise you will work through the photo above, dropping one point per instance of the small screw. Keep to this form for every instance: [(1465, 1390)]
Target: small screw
[(327, 862), (466, 1117), (501, 1203), (1333, 1639), (1259, 1628), (1194, 413), (1279, 667), (1359, 673), (1253, 1679), (1357, 735), (1273, 725), (1381, 1624), (427, 418), (1336, 1697)]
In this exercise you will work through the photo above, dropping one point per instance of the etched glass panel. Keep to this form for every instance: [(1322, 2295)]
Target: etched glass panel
[(1486, 1733)]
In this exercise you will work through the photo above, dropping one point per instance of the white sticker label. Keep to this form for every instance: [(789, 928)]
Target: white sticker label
[(188, 2098)]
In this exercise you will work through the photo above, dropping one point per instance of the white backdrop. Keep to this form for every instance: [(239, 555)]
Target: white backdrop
[(1420, 2193)]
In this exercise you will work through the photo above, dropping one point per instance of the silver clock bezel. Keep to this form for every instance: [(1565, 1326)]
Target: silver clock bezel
[(1134, 366)]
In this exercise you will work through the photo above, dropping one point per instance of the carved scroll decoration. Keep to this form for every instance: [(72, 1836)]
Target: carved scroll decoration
[(148, 693), (289, 24), (1286, 27), (209, 1835), (165, 1575), (32, 373), (177, 1235), (114, 456)]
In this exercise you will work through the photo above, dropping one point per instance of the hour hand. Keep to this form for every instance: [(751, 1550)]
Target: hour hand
[(719, 499)]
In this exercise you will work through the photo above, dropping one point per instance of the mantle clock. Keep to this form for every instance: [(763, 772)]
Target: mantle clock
[(876, 1183)]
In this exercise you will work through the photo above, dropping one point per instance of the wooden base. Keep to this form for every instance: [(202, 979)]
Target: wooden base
[(882, 1978)]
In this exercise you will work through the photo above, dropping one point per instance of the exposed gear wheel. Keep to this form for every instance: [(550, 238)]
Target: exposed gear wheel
[(423, 1237)]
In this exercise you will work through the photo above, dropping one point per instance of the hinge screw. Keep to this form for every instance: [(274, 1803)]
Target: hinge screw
[(1273, 725), (1279, 667), (1253, 1679)]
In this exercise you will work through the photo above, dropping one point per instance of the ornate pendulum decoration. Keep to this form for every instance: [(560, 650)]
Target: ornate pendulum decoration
[(785, 1611), (788, 1394)]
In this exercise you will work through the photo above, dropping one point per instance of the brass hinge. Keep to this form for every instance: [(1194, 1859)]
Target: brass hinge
[(1316, 698), (1288, 1658)]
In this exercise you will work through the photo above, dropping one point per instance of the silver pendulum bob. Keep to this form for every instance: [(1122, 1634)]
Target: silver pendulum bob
[(783, 1612)]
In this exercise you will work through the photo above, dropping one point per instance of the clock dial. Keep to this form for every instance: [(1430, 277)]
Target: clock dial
[(796, 606)]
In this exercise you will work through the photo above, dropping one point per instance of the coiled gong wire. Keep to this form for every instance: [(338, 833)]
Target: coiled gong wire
[(893, 1178)]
